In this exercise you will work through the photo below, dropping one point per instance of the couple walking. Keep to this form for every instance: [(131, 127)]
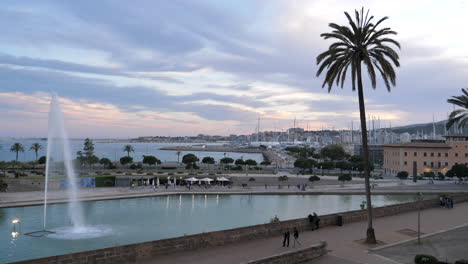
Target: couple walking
[(286, 236)]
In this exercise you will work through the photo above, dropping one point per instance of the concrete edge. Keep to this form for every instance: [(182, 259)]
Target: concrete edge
[(152, 194), (372, 250)]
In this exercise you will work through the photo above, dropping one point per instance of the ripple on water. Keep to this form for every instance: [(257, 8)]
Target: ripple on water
[(84, 232)]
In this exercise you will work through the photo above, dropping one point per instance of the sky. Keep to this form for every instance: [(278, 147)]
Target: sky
[(169, 68)]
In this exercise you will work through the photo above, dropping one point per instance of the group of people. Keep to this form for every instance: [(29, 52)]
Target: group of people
[(286, 236), (314, 221), (446, 201)]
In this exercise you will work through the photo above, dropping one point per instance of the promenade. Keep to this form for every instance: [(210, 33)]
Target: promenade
[(342, 241)]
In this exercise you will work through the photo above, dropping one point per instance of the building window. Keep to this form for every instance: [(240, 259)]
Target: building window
[(425, 163), (425, 154), (446, 154), (466, 155), (438, 164), (432, 164), (439, 154), (446, 163), (415, 154), (456, 154), (406, 154), (432, 154), (406, 163)]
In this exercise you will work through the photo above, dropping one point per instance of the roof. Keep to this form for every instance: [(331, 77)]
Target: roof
[(417, 145)]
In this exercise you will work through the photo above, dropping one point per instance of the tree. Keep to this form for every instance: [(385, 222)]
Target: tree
[(304, 164), (17, 148), (343, 165), (35, 147), (178, 156), (189, 160), (251, 162), (126, 160), (105, 161), (88, 150), (458, 170), (262, 147), (239, 162), (459, 116), (151, 160), (208, 160), (360, 43), (333, 152), (265, 163), (226, 161), (402, 175), (42, 160), (128, 149)]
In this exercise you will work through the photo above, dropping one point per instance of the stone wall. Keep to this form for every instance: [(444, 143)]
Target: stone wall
[(297, 256), (136, 252)]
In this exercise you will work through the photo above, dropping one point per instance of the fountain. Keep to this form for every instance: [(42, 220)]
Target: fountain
[(59, 162)]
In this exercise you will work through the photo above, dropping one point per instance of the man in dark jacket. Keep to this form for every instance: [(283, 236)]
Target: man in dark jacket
[(286, 238)]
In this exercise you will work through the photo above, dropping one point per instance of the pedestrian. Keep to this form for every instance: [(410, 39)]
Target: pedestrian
[(296, 237), (317, 220), (442, 201), (286, 238)]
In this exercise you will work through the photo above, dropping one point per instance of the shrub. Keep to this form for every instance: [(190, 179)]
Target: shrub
[(133, 167), (180, 172), (211, 174), (402, 175), (251, 179), (314, 178), (168, 168), (108, 181), (128, 173), (274, 220), (244, 185), (149, 173), (170, 173), (219, 172), (345, 177), (283, 178), (425, 259), (126, 160)]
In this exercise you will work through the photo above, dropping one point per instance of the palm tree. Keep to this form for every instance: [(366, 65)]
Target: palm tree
[(360, 43), (178, 156), (459, 116), (128, 149), (17, 147), (36, 147)]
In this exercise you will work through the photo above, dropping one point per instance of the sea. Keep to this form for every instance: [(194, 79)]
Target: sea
[(114, 150)]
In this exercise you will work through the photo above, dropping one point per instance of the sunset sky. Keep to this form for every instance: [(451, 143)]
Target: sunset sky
[(137, 68)]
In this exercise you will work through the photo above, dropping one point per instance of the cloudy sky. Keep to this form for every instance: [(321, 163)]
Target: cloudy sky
[(135, 68)]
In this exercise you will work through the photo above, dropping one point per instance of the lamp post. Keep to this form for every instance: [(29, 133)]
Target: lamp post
[(15, 233), (419, 218)]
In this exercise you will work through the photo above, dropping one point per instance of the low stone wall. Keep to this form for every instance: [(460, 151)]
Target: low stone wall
[(297, 256), (136, 252)]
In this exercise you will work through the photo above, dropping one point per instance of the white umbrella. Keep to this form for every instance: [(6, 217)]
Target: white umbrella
[(222, 179), (207, 180), (193, 179)]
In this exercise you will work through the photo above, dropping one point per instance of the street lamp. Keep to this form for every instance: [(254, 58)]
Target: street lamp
[(15, 233)]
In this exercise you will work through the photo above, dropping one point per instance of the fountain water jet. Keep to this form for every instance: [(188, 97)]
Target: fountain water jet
[(59, 161)]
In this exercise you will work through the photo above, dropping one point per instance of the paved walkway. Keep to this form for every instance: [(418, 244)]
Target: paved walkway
[(341, 240)]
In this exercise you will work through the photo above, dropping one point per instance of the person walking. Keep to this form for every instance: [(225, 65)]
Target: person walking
[(317, 220), (296, 237), (286, 238)]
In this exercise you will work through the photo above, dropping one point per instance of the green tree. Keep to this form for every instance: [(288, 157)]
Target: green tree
[(304, 164), (126, 160), (35, 147), (265, 163), (333, 152), (178, 156), (458, 170), (343, 165), (151, 160), (88, 150), (362, 43), (105, 161), (17, 148), (239, 162), (208, 160), (459, 116), (251, 162), (190, 160), (42, 160), (402, 175), (226, 161), (128, 149)]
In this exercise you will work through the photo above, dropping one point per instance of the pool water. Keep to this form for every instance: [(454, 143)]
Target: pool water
[(127, 221)]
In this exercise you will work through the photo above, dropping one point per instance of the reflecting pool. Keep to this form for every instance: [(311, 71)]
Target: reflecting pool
[(127, 221)]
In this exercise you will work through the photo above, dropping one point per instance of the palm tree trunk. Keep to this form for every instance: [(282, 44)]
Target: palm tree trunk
[(17, 156), (370, 235)]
